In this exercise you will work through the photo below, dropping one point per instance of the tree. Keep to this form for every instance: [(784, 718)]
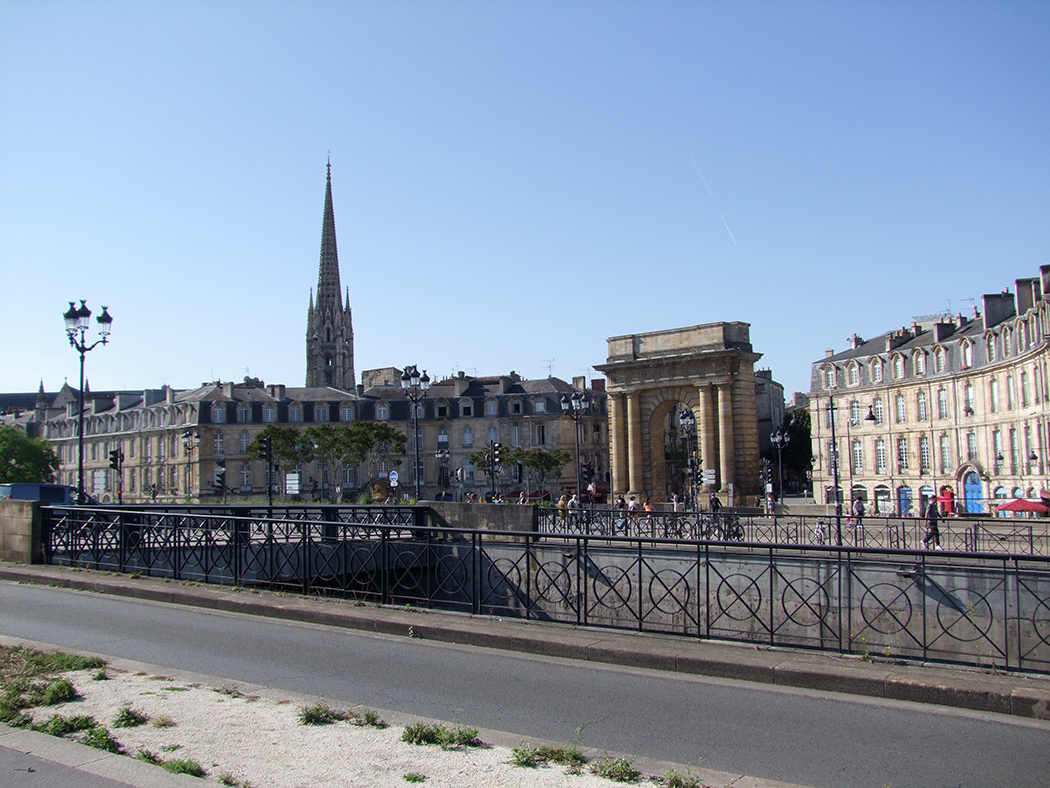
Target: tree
[(332, 444), (288, 447), (539, 464), (25, 459), (373, 441)]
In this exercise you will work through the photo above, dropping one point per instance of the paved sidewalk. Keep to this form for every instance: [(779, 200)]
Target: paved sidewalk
[(1019, 695)]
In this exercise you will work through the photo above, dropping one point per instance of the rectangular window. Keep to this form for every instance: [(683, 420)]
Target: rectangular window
[(970, 400), (997, 450), (493, 434), (1024, 389), (442, 442), (420, 472), (467, 408), (220, 444), (246, 476), (946, 455), (541, 435), (858, 457), (902, 453), (468, 437), (269, 414), (540, 406), (854, 413), (1011, 394), (942, 403), (1015, 452), (515, 435), (995, 395), (925, 462), (876, 408), (901, 411), (971, 446), (922, 405)]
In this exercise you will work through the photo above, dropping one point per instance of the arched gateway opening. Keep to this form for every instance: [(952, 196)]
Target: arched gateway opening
[(697, 383)]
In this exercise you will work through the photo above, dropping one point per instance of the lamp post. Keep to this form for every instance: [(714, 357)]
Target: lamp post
[(834, 459), (780, 439), (190, 441), (78, 320), (575, 407), (687, 423), (415, 387), (442, 456)]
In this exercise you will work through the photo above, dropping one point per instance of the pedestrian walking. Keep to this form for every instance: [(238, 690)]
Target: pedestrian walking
[(933, 532), (715, 504)]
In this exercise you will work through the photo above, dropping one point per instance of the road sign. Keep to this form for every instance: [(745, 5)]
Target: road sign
[(393, 483), (709, 477), (292, 483), (393, 478)]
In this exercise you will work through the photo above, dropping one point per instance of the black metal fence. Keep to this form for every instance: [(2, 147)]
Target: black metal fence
[(983, 610), (971, 535)]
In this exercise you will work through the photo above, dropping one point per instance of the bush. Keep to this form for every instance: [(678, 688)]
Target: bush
[(127, 717), (618, 770)]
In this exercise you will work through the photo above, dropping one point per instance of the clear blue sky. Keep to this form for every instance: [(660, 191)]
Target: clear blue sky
[(514, 182)]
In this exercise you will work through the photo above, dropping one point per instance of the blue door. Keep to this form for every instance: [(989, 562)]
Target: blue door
[(904, 500), (972, 493)]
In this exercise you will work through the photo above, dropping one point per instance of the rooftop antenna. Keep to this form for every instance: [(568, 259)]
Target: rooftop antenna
[(550, 364)]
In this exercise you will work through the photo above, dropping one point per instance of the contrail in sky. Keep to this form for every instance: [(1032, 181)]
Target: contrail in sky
[(659, 93)]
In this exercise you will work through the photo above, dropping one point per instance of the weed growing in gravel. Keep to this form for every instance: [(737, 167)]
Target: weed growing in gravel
[(61, 726), (414, 777), (436, 733), (672, 779), (525, 756), (128, 717), (185, 766), (149, 757), (100, 738), (27, 679), (618, 770), (100, 675), (171, 747), (322, 714), (227, 778), (371, 717), (162, 721)]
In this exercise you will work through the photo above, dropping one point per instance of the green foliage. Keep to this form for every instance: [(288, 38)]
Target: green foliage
[(528, 756), (525, 756), (25, 459), (414, 777), (618, 770), (371, 717), (540, 465), (322, 714), (149, 757), (100, 738), (672, 779), (127, 717), (442, 735), (185, 766), (287, 445), (58, 725), (54, 692)]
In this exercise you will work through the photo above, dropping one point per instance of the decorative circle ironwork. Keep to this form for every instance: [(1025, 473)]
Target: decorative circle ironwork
[(739, 604), (802, 601), (877, 608), (504, 576), (1040, 626), (406, 562), (667, 585), (961, 606), (451, 574), (607, 587), (326, 562), (553, 582)]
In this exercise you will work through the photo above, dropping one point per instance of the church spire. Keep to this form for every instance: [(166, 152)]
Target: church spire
[(329, 327), (328, 271)]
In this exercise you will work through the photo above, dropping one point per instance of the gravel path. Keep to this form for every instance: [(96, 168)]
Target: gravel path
[(258, 741)]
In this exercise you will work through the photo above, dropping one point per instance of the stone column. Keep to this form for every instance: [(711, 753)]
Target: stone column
[(618, 444), (727, 446), (634, 444), (706, 429)]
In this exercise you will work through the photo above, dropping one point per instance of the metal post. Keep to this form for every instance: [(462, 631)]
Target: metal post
[(835, 472)]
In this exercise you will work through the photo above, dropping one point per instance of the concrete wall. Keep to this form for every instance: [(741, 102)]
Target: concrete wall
[(20, 532), (483, 516)]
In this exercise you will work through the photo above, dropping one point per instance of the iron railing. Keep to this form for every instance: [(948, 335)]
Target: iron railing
[(983, 535), (990, 611)]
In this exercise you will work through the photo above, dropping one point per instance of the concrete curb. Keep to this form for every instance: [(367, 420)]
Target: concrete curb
[(1018, 695)]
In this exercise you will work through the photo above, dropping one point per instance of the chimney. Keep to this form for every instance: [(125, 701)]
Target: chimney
[(227, 389), (997, 308), (579, 382), (856, 341), (829, 352), (1027, 294), (169, 395), (277, 391), (598, 385)]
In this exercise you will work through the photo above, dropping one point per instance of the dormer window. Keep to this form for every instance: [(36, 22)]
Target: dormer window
[(491, 407), (515, 407), (295, 413), (938, 359), (539, 406), (967, 354), (920, 363), (876, 370), (382, 411), (854, 374), (898, 367), (346, 413), (466, 407), (218, 413), (269, 414), (441, 408), (829, 377), (320, 413), (244, 414)]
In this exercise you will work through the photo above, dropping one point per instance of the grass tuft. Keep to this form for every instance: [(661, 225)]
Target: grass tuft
[(100, 738), (149, 757), (618, 770), (128, 717), (322, 714), (185, 766), (414, 777), (442, 735)]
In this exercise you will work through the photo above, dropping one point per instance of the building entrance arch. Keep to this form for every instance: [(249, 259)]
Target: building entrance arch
[(972, 493), (708, 369)]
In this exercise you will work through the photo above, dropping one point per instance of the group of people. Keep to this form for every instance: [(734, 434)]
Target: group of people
[(932, 515)]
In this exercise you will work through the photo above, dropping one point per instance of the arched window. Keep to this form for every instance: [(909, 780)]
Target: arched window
[(320, 413), (854, 374), (967, 353), (990, 347), (244, 414), (876, 370), (938, 360), (218, 413), (295, 413), (382, 411), (920, 363), (346, 412), (898, 367)]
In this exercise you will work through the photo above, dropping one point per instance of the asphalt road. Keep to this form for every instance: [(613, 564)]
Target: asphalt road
[(797, 736)]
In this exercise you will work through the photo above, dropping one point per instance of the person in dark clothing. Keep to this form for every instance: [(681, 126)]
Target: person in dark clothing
[(715, 504), (933, 532)]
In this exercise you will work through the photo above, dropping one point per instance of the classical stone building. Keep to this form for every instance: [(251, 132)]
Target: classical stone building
[(951, 406), (329, 327), (705, 372)]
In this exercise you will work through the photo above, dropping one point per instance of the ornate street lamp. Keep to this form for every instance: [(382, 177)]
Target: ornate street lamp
[(780, 439), (415, 387), (190, 441), (575, 407), (687, 423), (442, 456), (78, 321)]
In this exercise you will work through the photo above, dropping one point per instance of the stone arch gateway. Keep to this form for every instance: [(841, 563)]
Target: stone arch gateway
[(710, 369)]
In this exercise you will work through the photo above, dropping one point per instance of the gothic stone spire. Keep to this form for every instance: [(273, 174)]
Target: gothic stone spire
[(329, 328)]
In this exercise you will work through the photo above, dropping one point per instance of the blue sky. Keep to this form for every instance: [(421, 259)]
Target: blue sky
[(514, 182)]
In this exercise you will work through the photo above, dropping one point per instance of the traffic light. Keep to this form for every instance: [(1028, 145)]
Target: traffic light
[(116, 457), (264, 447), (587, 472), (220, 473), (497, 453)]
